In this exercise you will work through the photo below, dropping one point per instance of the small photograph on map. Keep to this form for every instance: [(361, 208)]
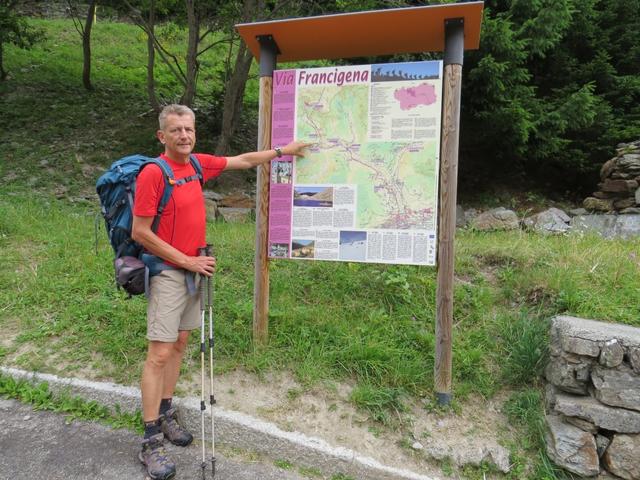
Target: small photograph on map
[(281, 172), (353, 245), (307, 196), (302, 248), (279, 250), (407, 71)]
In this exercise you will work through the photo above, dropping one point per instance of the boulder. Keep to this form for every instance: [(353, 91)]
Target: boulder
[(603, 416), (610, 185), (624, 203), (629, 162), (496, 219), (598, 204), (581, 424), (627, 226), (608, 168), (574, 212), (550, 221), (621, 457), (237, 200), (571, 448), (618, 388), (212, 210), (611, 354), (568, 373), (235, 215), (211, 195), (630, 211), (594, 331), (602, 443)]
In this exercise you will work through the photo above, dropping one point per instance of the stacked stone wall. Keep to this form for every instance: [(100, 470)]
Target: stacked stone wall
[(593, 398), (619, 187)]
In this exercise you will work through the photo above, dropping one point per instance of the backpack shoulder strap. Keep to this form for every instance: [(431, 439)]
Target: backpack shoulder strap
[(169, 182), (198, 168)]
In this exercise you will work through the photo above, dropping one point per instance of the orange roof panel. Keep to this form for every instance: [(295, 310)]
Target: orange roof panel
[(361, 34)]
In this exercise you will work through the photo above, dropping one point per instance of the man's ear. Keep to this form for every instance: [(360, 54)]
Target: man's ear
[(160, 135)]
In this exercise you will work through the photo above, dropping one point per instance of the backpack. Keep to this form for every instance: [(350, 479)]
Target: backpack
[(116, 189)]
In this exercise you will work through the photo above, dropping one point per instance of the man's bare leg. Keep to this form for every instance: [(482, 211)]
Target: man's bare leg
[(172, 369), (153, 375)]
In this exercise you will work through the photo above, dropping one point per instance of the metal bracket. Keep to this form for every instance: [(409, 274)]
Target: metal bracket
[(268, 53), (453, 41)]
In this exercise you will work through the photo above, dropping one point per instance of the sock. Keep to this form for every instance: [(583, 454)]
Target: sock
[(165, 404), (151, 428)]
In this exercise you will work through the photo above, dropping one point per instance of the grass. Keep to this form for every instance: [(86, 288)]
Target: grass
[(72, 407), (369, 325)]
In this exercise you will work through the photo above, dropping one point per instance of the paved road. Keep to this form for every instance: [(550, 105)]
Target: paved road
[(41, 445)]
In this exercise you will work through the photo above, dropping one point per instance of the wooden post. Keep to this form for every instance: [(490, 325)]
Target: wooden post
[(453, 54), (268, 53)]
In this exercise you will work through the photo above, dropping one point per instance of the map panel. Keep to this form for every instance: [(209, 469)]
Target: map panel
[(367, 189)]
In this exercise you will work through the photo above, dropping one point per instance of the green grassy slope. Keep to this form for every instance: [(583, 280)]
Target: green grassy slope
[(371, 325)]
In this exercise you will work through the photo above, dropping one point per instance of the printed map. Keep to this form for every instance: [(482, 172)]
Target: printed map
[(396, 181)]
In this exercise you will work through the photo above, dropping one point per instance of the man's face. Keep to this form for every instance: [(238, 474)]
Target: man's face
[(178, 136)]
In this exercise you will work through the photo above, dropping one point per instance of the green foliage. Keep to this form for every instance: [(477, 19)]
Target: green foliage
[(15, 30), (72, 407), (552, 90), (524, 343)]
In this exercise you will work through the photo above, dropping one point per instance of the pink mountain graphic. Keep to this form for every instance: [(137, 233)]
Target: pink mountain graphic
[(412, 97)]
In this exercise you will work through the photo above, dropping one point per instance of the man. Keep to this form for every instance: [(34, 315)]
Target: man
[(172, 311)]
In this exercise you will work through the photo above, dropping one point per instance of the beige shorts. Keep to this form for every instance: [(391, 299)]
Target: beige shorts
[(171, 308)]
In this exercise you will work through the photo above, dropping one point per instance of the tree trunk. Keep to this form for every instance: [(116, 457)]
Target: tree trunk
[(193, 21), (3, 73), (86, 46), (236, 83), (151, 59), (233, 96)]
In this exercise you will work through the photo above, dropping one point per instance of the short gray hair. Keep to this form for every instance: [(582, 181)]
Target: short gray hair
[(174, 109)]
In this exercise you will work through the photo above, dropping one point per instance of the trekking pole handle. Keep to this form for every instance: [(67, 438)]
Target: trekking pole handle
[(202, 251)]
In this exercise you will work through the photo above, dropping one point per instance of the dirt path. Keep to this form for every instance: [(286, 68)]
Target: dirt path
[(422, 440)]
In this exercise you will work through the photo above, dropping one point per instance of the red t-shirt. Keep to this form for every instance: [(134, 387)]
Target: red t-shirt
[(183, 220)]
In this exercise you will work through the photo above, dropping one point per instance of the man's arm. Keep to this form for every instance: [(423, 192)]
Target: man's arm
[(253, 159), (142, 233)]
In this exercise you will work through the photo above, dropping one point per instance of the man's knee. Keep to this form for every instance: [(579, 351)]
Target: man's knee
[(159, 354)]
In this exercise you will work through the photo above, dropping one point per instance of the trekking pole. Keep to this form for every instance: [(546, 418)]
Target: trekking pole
[(212, 399), (203, 291)]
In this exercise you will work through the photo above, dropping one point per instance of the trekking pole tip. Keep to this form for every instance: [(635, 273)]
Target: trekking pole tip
[(213, 467)]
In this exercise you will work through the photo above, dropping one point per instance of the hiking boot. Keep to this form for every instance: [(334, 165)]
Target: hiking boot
[(173, 431), (154, 457)]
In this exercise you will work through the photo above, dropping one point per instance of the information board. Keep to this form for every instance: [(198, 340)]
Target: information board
[(367, 190)]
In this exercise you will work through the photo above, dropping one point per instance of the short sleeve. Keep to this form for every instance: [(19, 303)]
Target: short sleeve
[(212, 166), (149, 190)]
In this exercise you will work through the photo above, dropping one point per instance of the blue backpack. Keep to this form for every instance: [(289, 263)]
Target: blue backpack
[(116, 189)]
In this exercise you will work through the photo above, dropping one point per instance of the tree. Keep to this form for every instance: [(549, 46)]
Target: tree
[(15, 30), (551, 91), (194, 16), (85, 33)]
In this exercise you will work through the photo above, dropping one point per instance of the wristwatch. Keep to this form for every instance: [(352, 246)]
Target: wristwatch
[(278, 151)]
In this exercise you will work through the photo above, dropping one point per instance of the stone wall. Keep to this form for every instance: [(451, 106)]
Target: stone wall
[(619, 188), (593, 398)]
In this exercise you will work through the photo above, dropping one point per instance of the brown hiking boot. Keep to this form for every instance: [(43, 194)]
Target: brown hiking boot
[(173, 431), (154, 457)]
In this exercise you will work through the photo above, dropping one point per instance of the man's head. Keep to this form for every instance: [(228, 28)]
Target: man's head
[(177, 131)]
